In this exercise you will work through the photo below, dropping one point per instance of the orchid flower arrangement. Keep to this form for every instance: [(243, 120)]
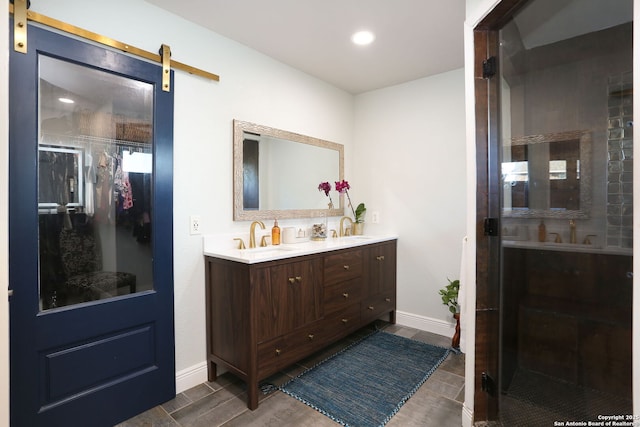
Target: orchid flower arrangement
[(326, 187), (343, 187)]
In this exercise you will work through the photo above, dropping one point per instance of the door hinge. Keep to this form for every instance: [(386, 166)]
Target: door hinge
[(491, 226), (489, 67), (488, 384)]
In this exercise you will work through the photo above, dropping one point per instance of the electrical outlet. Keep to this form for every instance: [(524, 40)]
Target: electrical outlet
[(375, 217), (194, 224)]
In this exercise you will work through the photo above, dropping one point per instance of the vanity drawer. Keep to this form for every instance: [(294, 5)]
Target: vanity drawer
[(342, 322), (281, 352), (376, 306), (342, 294), (342, 266)]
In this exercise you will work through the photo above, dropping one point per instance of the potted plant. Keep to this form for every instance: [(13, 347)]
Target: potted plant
[(449, 296), (360, 211)]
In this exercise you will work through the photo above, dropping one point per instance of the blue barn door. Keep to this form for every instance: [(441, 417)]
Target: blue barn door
[(91, 237)]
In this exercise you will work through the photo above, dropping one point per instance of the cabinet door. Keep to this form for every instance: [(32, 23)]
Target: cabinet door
[(289, 296), (381, 268)]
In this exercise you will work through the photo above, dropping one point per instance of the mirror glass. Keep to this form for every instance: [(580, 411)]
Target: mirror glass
[(277, 173), (547, 176)]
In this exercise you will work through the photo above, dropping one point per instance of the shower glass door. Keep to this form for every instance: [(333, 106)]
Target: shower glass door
[(566, 124)]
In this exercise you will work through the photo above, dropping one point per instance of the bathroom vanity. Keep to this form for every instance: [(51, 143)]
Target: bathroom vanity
[(268, 308)]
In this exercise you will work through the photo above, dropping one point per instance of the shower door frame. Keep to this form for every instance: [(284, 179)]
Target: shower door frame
[(488, 258)]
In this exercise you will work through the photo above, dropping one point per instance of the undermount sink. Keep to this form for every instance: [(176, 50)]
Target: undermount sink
[(264, 251), (358, 237)]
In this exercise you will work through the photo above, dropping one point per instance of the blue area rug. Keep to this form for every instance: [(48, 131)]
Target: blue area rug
[(366, 383)]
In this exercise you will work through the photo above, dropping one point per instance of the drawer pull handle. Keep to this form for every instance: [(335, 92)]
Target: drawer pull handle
[(310, 337), (292, 280), (346, 267), (380, 258), (345, 321), (298, 279), (387, 299), (370, 307), (278, 351), (346, 295)]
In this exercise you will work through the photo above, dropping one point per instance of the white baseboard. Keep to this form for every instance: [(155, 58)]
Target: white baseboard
[(428, 324), (191, 377), (467, 416)]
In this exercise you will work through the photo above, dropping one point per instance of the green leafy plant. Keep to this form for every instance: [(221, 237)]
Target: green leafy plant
[(449, 295), (360, 211)]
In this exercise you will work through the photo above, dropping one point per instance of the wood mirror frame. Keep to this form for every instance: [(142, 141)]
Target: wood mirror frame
[(240, 213)]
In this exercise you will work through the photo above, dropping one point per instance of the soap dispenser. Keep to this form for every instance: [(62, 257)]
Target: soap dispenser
[(275, 234), (542, 232)]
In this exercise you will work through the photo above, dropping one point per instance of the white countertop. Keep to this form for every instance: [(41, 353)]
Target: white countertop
[(566, 247), (283, 251)]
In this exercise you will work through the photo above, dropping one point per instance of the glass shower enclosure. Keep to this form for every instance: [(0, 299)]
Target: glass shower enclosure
[(566, 131)]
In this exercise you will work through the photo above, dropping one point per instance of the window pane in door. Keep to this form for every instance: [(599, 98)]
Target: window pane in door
[(95, 166)]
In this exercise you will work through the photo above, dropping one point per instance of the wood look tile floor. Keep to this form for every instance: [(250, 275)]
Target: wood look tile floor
[(223, 402)]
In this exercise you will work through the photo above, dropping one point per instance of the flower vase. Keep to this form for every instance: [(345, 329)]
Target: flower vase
[(357, 228), (455, 341)]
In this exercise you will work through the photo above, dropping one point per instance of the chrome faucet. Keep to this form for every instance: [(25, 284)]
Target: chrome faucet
[(344, 232), (572, 231), (252, 233)]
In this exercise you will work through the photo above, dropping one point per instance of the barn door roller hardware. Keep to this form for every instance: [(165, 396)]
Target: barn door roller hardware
[(19, 25), (22, 14)]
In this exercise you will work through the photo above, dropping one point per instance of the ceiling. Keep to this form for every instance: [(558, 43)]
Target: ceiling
[(414, 38)]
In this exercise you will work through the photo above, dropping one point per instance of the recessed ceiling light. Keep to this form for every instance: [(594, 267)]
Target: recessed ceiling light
[(66, 100), (363, 38)]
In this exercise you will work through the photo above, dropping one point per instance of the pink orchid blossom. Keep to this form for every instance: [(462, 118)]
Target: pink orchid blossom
[(326, 187)]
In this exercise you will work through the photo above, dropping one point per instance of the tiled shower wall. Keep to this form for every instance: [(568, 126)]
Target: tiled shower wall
[(620, 162)]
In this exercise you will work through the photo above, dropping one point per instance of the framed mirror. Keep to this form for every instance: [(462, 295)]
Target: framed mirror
[(276, 174), (547, 176)]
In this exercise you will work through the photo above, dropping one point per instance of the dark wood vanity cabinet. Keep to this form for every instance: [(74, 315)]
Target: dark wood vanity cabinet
[(266, 316), (380, 268)]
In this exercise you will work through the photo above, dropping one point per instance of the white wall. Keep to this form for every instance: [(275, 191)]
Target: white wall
[(409, 159)]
